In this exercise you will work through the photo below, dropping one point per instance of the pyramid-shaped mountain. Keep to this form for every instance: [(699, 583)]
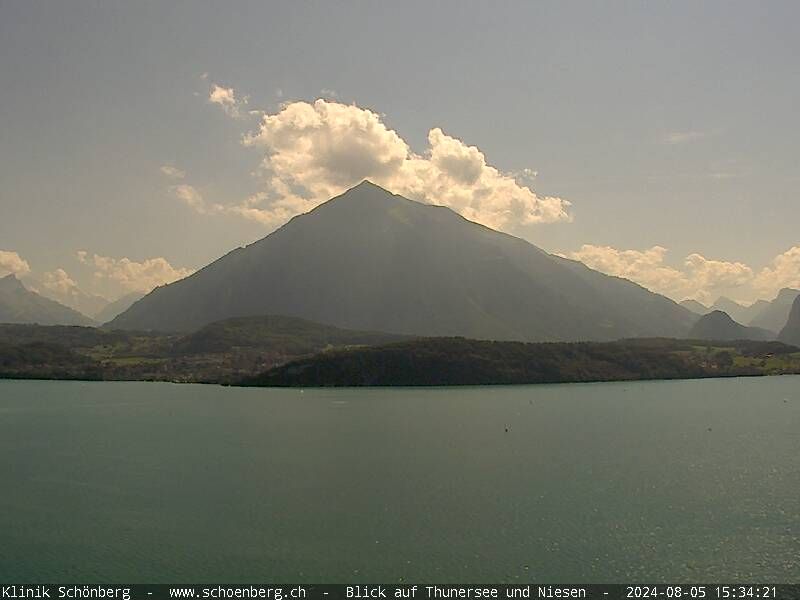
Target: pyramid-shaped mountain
[(372, 260), (20, 305)]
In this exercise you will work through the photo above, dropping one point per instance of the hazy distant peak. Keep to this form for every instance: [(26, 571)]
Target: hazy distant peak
[(695, 306), (20, 305), (725, 301), (120, 305), (719, 325), (739, 312)]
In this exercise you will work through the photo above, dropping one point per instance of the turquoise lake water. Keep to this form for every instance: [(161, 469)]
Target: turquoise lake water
[(614, 482)]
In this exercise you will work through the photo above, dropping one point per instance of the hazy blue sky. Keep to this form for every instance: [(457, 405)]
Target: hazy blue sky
[(670, 125)]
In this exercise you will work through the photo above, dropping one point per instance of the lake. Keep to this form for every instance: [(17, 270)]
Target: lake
[(611, 482)]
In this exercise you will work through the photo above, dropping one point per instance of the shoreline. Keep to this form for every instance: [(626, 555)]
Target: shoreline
[(402, 386)]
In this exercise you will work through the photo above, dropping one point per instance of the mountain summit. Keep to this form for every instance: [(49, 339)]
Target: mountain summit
[(20, 305), (695, 306), (719, 326), (369, 259)]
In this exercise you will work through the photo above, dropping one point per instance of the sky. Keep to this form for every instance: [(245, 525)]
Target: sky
[(141, 140)]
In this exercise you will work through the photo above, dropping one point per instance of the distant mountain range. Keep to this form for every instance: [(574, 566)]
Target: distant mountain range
[(21, 305), (739, 312), (695, 306), (96, 307), (790, 334), (371, 260), (762, 314)]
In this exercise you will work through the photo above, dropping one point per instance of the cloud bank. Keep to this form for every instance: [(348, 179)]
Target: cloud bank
[(783, 272), (698, 277), (133, 276)]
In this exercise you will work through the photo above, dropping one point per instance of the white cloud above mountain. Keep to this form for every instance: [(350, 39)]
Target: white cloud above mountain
[(133, 276), (59, 283), (313, 151), (11, 263), (782, 272), (645, 267), (697, 277)]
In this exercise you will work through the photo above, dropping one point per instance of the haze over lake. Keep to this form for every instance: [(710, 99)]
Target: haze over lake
[(671, 481)]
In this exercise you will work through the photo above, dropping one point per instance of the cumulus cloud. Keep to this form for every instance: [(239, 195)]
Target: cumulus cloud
[(709, 278), (699, 278), (783, 272), (314, 151), (12, 263), (226, 98), (60, 283), (645, 267), (131, 275)]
